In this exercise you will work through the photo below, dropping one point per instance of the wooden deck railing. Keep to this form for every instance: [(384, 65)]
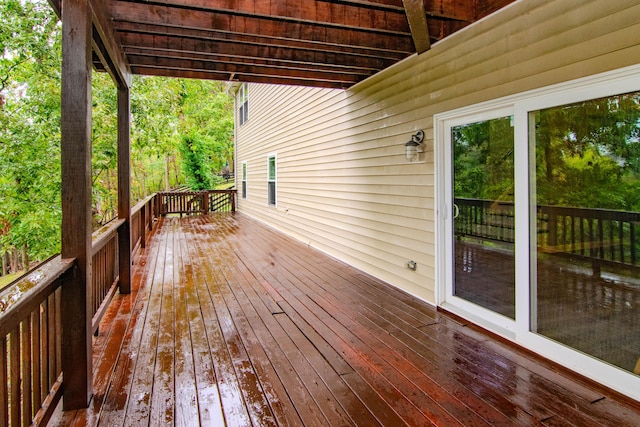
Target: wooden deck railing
[(599, 236), (31, 321), (196, 202), (30, 347), (222, 200), (30, 314), (142, 216), (105, 269), (485, 219)]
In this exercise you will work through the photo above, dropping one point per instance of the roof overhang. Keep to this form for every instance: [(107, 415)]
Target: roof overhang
[(322, 43)]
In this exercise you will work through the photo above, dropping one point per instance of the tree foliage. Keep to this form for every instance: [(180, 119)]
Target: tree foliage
[(587, 154), (483, 159), (196, 162), (162, 111), (29, 128)]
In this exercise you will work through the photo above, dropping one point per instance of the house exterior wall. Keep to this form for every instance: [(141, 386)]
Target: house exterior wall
[(343, 184)]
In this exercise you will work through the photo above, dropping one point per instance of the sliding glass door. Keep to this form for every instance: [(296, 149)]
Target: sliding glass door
[(482, 234), (586, 292), (539, 222)]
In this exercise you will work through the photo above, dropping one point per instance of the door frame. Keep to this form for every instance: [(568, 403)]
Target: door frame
[(502, 324)]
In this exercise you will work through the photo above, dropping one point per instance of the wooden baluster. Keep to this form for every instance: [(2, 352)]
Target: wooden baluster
[(44, 350), (27, 373), (35, 352), (4, 387), (632, 242), (14, 375), (51, 346)]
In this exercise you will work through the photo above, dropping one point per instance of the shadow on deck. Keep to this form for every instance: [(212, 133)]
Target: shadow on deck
[(231, 322)]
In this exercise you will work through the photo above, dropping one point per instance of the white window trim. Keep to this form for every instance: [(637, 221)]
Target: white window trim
[(243, 104), (275, 179), (244, 170), (611, 83)]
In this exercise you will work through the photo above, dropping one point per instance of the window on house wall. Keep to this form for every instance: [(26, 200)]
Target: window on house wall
[(243, 102), (244, 180), (271, 181)]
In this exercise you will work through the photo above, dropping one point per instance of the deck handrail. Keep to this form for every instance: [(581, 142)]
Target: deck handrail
[(142, 217), (30, 346), (31, 321), (196, 202), (599, 236)]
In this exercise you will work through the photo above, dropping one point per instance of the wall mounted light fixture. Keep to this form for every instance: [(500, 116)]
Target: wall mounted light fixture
[(413, 147)]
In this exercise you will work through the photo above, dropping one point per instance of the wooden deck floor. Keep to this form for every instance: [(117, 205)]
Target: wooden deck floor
[(233, 323)]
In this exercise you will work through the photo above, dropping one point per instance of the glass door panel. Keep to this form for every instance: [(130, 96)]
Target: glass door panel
[(483, 214), (586, 225)]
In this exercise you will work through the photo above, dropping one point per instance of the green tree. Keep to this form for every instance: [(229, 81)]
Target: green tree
[(483, 159), (196, 162), (588, 153), (104, 141), (29, 130), (162, 110), (205, 106)]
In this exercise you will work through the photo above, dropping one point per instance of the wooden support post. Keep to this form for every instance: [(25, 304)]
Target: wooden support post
[(124, 190), (143, 225), (76, 203)]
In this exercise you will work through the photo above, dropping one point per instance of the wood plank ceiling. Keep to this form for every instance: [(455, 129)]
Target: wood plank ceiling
[(323, 43)]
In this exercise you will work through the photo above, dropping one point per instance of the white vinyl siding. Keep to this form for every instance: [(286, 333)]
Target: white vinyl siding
[(344, 185)]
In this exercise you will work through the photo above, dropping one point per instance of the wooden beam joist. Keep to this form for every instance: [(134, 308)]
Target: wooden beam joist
[(392, 6), (326, 14), (248, 61), (417, 18), (204, 75), (112, 53), (168, 20), (253, 50), (142, 35), (177, 63)]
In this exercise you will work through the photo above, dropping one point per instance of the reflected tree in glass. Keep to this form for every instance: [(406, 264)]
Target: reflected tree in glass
[(483, 185), (586, 287)]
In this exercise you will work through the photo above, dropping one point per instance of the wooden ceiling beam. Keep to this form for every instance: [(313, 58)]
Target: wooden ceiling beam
[(458, 10), (205, 75), (394, 6), (177, 63), (113, 53), (250, 61), (255, 48), (417, 18), (168, 18), (439, 29), (328, 15), (105, 44)]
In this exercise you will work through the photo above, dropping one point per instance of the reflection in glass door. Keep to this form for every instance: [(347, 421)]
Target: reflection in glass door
[(483, 214), (586, 287)]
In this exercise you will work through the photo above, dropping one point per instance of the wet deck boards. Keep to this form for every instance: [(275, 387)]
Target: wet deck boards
[(230, 322)]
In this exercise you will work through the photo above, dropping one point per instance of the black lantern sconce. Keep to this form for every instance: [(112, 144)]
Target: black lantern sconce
[(413, 147)]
